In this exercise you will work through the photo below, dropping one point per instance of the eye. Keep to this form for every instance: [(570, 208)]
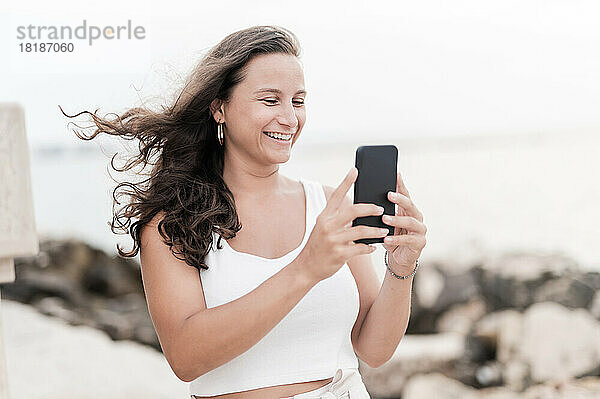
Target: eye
[(272, 102)]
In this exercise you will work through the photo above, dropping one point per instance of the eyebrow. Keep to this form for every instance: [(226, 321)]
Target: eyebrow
[(266, 89)]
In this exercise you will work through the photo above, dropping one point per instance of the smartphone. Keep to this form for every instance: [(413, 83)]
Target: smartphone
[(377, 175)]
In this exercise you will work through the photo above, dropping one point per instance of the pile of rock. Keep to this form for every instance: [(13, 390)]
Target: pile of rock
[(519, 325), (84, 286)]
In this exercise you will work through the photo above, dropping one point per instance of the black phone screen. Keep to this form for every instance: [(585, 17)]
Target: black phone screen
[(377, 175)]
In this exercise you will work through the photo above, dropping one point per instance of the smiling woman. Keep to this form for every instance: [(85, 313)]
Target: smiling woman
[(275, 312)]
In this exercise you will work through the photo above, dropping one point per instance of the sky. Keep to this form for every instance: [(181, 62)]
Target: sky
[(384, 69)]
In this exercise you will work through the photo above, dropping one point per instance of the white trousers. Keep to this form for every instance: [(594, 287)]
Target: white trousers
[(346, 384)]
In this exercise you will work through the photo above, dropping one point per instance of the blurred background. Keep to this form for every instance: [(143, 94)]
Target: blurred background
[(493, 106)]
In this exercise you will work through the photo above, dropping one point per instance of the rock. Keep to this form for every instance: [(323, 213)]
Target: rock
[(146, 334), (438, 386), (431, 300), (569, 291), (112, 279), (504, 293), (82, 266), (83, 285), (592, 279), (479, 349), (128, 303), (490, 374), (503, 330), (585, 388), (54, 306), (117, 325), (511, 280), (515, 280), (79, 362), (558, 342), (524, 266), (460, 318), (415, 354), (428, 287), (516, 375), (458, 288), (546, 342), (31, 286), (595, 305)]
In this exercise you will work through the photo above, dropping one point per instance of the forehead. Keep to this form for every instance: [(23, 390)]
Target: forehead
[(282, 71)]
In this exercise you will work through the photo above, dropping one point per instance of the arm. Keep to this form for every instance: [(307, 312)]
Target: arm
[(386, 321), (195, 339), (384, 308)]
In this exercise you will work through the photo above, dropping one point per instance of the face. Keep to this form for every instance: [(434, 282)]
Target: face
[(252, 110)]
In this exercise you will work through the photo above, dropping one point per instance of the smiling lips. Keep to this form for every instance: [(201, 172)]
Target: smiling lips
[(279, 136)]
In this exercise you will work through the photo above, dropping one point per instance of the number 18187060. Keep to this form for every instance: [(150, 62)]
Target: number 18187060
[(46, 47)]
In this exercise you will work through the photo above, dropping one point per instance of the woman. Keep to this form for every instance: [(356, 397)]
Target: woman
[(242, 267)]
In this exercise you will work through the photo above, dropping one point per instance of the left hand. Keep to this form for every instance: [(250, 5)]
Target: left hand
[(405, 246)]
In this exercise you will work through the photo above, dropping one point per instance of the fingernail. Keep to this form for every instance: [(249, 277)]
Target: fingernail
[(386, 218)]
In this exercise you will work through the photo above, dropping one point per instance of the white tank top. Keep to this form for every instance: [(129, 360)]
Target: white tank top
[(309, 343)]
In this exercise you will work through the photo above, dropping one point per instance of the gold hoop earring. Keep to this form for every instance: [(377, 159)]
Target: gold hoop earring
[(220, 133)]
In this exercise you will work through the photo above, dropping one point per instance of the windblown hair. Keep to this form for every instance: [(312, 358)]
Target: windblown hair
[(180, 144)]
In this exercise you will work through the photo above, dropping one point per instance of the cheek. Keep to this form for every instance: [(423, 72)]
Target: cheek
[(301, 115), (253, 116), (260, 113), (301, 119)]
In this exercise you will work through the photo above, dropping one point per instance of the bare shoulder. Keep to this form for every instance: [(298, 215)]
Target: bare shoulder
[(172, 288), (292, 186)]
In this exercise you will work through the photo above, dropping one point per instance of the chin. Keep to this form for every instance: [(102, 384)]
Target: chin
[(281, 159), (278, 158)]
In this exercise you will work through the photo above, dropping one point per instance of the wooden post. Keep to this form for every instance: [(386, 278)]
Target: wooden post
[(18, 236)]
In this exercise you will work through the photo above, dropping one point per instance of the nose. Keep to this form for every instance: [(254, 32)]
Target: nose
[(288, 117)]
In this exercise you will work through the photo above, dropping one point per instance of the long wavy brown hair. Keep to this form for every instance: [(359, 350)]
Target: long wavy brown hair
[(180, 145)]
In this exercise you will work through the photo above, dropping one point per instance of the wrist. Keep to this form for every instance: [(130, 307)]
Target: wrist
[(300, 268), (400, 271)]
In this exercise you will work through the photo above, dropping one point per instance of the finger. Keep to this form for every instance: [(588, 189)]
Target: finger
[(405, 203), (359, 232), (408, 223), (413, 241), (359, 249), (335, 200), (400, 187), (348, 214)]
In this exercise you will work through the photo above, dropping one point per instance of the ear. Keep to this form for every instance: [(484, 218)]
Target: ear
[(216, 109)]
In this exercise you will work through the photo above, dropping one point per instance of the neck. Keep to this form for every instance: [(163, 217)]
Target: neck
[(249, 179)]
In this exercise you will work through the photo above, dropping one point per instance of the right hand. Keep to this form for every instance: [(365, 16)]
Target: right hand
[(330, 243)]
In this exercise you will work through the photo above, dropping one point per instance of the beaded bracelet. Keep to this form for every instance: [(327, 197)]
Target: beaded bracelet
[(385, 258)]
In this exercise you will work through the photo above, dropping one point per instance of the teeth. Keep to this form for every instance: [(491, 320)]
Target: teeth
[(279, 136)]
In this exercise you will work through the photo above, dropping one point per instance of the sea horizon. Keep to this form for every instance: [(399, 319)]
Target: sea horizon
[(479, 194)]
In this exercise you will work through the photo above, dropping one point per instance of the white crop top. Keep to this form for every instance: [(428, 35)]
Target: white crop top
[(308, 344)]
